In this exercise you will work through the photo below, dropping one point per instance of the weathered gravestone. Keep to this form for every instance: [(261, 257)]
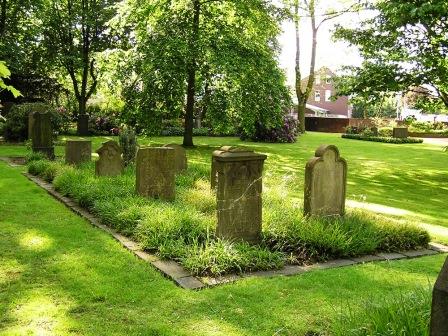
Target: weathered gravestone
[(155, 174), (239, 189), (180, 157), (325, 183), (41, 133), (400, 132), (83, 125), (439, 311), (78, 151), (110, 162)]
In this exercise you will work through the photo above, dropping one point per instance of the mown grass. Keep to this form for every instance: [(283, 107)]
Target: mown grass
[(405, 314), (184, 229), (61, 276)]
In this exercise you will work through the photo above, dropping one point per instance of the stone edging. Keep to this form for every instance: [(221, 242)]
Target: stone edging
[(184, 279)]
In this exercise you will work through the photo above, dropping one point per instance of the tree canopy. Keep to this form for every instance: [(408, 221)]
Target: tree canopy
[(404, 45)]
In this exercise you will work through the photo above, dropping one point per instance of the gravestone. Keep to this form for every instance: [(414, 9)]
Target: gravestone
[(239, 190), (41, 133), (400, 132), (439, 310), (78, 151), (325, 183), (155, 172), (110, 162), (83, 125), (180, 157)]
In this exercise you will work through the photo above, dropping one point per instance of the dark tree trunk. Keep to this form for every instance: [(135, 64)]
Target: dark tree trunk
[(2, 17), (82, 127), (191, 81)]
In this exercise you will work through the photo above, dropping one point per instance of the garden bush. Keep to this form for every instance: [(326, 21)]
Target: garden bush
[(382, 139), (287, 133), (16, 126), (102, 122), (183, 230)]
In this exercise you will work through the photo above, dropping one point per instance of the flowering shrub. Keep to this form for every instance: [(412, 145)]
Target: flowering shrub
[(287, 133)]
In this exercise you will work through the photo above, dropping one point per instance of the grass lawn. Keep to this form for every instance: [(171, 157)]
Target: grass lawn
[(60, 276)]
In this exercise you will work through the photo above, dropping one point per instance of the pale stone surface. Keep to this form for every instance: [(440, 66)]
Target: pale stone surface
[(155, 175), (439, 311), (400, 132), (110, 162), (180, 157), (41, 133), (325, 183), (239, 188), (78, 151)]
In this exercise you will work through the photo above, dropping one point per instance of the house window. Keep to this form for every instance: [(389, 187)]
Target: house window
[(318, 80), (317, 96), (327, 95), (328, 80)]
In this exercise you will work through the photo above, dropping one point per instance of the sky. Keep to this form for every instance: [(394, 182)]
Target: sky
[(330, 53)]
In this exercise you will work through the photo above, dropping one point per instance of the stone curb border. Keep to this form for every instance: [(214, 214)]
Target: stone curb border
[(184, 279)]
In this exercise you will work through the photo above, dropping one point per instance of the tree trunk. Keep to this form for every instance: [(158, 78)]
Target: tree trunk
[(82, 126), (3, 8), (191, 81)]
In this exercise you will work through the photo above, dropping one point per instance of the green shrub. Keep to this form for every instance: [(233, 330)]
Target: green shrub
[(405, 314), (382, 139), (128, 143), (35, 156), (16, 126), (385, 132)]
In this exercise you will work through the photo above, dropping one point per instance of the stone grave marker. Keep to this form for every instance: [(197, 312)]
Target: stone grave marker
[(180, 157), (110, 162), (400, 132), (78, 151), (439, 310), (239, 193), (41, 133), (155, 172), (325, 183)]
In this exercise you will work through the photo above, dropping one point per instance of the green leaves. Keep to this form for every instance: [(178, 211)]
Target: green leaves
[(5, 73)]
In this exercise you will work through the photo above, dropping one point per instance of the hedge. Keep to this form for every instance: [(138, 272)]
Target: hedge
[(382, 139)]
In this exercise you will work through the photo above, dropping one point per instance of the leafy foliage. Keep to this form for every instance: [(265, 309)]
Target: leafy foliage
[(286, 133), (5, 74), (382, 139), (128, 143), (403, 46)]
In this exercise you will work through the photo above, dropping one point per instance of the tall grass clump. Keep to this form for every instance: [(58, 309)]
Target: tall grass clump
[(404, 314), (184, 230)]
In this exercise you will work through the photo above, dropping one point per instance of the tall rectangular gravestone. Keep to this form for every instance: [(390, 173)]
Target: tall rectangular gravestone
[(155, 172), (439, 310), (325, 183), (110, 162), (239, 194), (400, 132), (78, 151), (41, 133)]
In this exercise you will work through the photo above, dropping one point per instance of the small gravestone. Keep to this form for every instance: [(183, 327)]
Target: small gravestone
[(439, 311), (400, 132), (325, 183), (155, 172), (110, 162), (78, 151), (180, 157), (41, 133), (239, 190)]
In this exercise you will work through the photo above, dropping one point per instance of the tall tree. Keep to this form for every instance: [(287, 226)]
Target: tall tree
[(75, 30), (404, 45), (317, 12), (193, 54)]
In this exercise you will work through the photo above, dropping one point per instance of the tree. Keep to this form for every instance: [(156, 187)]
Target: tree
[(405, 45), (195, 57), (75, 30), (5, 74), (316, 13)]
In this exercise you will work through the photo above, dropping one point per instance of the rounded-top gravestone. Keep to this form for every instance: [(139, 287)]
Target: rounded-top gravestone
[(325, 183), (110, 162)]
